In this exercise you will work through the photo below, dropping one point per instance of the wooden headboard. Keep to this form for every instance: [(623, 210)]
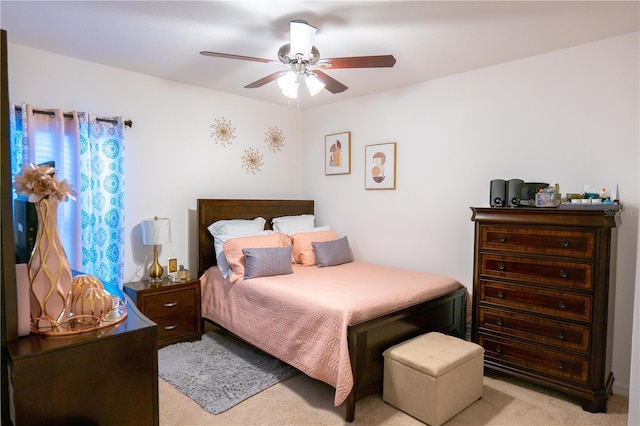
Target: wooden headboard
[(210, 210)]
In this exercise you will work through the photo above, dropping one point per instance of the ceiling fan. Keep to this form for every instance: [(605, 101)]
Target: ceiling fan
[(303, 61)]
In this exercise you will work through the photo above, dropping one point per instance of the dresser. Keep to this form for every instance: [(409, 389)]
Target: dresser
[(543, 295), (104, 377), (174, 306)]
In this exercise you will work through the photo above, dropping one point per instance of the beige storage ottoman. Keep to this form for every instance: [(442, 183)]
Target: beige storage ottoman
[(433, 377)]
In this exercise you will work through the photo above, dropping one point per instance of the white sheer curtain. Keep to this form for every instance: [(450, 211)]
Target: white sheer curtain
[(51, 135)]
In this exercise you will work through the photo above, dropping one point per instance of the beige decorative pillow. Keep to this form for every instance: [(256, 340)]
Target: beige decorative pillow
[(302, 248), (232, 249)]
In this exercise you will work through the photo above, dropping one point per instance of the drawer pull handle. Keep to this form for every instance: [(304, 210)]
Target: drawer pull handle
[(501, 294), (499, 350), (562, 304), (503, 239), (500, 322), (561, 335), (564, 243), (170, 304), (170, 327), (501, 266), (564, 274), (560, 365)]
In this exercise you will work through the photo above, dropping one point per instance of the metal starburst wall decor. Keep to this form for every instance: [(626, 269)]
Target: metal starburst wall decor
[(274, 139), (223, 132), (252, 160)]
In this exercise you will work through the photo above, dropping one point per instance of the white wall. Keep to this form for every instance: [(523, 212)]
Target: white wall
[(569, 117), (170, 157)]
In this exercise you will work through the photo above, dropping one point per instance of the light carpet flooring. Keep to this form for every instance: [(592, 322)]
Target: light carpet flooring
[(301, 400)]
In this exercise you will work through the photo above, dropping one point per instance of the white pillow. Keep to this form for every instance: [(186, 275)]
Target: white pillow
[(291, 224), (221, 260), (237, 227)]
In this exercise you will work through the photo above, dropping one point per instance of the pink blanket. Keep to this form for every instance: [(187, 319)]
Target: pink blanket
[(302, 318)]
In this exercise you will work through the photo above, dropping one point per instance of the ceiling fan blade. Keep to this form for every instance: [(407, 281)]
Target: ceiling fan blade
[(265, 80), (330, 83), (230, 56), (379, 61)]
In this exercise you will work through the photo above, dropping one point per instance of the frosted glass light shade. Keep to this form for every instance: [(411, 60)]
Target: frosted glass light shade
[(314, 85), (288, 83), (156, 231)]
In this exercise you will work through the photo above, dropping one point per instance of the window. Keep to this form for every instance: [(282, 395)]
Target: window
[(89, 153)]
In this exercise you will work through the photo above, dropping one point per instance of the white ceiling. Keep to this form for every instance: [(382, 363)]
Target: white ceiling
[(429, 39)]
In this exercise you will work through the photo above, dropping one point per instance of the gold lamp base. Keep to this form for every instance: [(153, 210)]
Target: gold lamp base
[(155, 271)]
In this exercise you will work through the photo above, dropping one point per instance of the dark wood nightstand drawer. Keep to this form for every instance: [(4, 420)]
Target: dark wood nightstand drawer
[(539, 330), (529, 299), (173, 306), (557, 242), (553, 363), (176, 327), (548, 272), (169, 303)]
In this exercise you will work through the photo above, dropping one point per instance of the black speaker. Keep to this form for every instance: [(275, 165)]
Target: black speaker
[(513, 192), (498, 193)]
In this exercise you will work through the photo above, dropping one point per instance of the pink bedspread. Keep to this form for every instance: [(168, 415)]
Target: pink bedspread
[(302, 318)]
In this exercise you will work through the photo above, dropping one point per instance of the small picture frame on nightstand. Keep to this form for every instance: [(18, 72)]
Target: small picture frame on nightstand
[(172, 265)]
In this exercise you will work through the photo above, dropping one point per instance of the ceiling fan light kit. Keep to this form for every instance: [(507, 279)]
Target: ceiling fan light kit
[(288, 83), (303, 59)]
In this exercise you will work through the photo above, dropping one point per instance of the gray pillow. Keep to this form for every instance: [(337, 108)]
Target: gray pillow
[(332, 253), (266, 262)]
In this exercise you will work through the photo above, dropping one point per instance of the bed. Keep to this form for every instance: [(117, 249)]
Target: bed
[(361, 341)]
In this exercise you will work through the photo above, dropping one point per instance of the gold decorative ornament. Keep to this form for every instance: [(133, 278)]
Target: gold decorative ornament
[(88, 302), (183, 274), (275, 139), (223, 132), (49, 271), (252, 160)]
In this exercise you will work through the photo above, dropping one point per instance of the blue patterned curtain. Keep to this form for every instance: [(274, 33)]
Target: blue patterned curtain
[(102, 197), (18, 140), (100, 190)]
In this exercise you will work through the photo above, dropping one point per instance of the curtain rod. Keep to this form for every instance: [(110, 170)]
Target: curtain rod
[(127, 123)]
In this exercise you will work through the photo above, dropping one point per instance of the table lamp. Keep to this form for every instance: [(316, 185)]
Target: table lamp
[(156, 231)]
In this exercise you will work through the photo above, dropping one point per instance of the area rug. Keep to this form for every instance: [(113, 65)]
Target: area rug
[(219, 371)]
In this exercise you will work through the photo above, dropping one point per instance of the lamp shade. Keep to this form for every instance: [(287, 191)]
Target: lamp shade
[(301, 37), (314, 85), (156, 231), (288, 83)]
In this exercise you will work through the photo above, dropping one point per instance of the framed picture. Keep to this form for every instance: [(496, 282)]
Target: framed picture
[(172, 265), (380, 166), (337, 154)]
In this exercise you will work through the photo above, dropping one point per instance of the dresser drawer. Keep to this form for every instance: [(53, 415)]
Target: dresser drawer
[(559, 334), (547, 272), (531, 357), (176, 327), (563, 305), (155, 306), (556, 242)]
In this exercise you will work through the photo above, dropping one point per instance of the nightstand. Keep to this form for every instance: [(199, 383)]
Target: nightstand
[(173, 306)]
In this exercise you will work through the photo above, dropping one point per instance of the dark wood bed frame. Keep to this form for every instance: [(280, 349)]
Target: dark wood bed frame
[(367, 340)]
